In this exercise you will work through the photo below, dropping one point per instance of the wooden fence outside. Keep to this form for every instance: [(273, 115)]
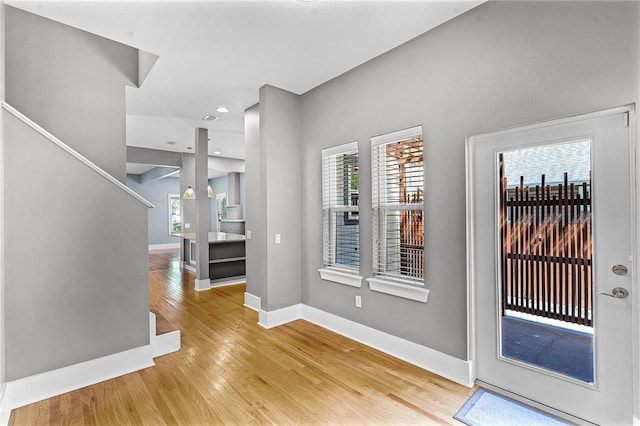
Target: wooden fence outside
[(412, 243), (546, 253)]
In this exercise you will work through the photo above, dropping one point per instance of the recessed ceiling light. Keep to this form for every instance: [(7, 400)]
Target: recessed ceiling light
[(209, 117), (222, 109), (217, 152)]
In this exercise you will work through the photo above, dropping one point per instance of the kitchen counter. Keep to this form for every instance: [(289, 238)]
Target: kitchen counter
[(215, 237), (226, 256)]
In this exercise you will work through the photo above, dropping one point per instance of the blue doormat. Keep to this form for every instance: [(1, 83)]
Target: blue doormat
[(485, 408)]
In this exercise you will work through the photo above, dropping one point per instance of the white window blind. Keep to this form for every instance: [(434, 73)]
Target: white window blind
[(397, 169), (340, 218)]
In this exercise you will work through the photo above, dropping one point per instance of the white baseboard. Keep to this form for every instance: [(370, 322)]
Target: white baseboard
[(444, 365), (202, 285), (240, 279), (439, 363), (279, 316), (251, 301), (28, 390), (163, 246), (164, 343)]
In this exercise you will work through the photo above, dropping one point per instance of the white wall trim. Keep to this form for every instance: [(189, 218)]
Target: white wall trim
[(45, 385), (223, 282), (444, 365), (340, 277), (165, 343), (439, 363), (162, 344), (279, 316), (339, 149), (398, 135), (163, 246), (252, 302), (202, 285), (75, 154), (406, 291)]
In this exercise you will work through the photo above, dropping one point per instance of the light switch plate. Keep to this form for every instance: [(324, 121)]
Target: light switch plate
[(248, 235), (277, 238), (187, 225)]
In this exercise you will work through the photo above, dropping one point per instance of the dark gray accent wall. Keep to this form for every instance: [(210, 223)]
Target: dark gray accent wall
[(157, 193), (76, 264), (499, 65), (71, 83)]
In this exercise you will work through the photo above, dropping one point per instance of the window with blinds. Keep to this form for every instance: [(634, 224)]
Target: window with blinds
[(397, 170), (340, 221)]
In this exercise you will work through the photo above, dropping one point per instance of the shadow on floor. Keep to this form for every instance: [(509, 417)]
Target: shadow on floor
[(557, 349)]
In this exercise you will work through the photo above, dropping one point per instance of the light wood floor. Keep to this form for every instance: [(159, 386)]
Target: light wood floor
[(232, 371)]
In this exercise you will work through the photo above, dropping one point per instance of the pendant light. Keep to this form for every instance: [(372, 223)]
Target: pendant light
[(189, 193)]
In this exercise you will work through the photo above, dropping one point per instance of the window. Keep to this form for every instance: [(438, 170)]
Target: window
[(397, 172), (340, 215), (174, 214)]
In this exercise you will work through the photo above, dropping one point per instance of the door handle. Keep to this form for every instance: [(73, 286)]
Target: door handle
[(617, 293)]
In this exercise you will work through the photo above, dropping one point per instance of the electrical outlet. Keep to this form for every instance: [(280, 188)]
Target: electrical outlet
[(187, 225), (277, 238), (358, 302)]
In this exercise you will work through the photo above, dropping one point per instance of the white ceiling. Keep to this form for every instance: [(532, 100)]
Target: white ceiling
[(219, 53)]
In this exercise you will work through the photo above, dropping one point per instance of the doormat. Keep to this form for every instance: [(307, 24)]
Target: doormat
[(485, 408)]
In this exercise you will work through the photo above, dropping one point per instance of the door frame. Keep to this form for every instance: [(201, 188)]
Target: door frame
[(634, 161)]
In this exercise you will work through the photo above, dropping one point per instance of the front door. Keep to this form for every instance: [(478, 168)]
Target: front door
[(551, 221)]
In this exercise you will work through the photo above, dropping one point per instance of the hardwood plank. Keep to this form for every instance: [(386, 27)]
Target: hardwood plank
[(232, 371)]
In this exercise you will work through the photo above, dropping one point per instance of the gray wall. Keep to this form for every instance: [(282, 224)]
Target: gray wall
[(76, 271), (502, 64), (256, 220), (272, 131), (187, 177), (71, 83), (280, 159), (76, 275), (157, 192), (2, 184)]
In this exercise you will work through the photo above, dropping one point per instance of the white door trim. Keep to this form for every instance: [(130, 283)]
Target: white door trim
[(634, 158)]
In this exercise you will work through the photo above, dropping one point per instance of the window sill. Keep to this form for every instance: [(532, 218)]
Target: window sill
[(406, 291), (340, 277)]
